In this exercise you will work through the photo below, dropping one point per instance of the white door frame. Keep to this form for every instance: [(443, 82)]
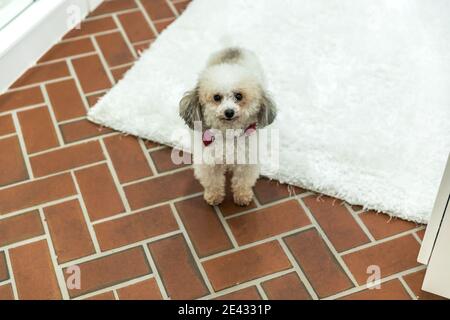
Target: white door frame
[(437, 277), (436, 243), (437, 217)]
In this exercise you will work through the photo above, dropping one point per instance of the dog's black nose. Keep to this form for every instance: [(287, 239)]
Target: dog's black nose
[(229, 113)]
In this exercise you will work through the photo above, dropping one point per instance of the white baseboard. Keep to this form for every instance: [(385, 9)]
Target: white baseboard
[(37, 29)]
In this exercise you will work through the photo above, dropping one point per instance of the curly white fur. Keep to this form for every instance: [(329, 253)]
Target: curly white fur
[(230, 94)]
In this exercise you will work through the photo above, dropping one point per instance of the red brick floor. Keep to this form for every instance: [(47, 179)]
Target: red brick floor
[(135, 226)]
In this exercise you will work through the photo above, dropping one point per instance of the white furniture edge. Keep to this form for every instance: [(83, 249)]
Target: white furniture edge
[(436, 217), (32, 33), (437, 277)]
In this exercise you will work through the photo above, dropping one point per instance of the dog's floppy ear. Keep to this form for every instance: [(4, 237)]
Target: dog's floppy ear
[(190, 108), (268, 110)]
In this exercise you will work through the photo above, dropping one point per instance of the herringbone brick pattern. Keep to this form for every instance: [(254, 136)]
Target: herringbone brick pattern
[(75, 194)]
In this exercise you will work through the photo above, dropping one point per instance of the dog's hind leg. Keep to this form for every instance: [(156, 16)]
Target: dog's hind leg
[(212, 178), (244, 179)]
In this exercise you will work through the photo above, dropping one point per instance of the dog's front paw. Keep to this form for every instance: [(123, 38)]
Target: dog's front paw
[(243, 198), (214, 198)]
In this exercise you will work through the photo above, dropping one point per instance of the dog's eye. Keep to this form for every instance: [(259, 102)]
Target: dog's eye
[(238, 96), (217, 97)]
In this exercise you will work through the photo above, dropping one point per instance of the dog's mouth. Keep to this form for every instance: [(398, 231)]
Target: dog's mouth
[(229, 119)]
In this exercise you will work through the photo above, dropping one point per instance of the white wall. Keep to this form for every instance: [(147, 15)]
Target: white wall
[(29, 36)]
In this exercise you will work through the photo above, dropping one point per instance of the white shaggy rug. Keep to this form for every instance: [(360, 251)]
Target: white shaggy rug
[(362, 87)]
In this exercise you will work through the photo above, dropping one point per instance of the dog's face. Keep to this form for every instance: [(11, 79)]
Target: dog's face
[(227, 96)]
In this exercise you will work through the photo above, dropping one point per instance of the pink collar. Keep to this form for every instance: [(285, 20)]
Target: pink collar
[(208, 135)]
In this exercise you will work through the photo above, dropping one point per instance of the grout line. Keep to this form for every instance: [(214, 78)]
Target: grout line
[(115, 177), (261, 292), (358, 212), (112, 218), (226, 227), (77, 83), (172, 7), (119, 66), (360, 288), (380, 241), (159, 204), (21, 109), (150, 161), (94, 93), (147, 18), (155, 270), (112, 251), (303, 195), (192, 249), (103, 60), (69, 121), (75, 143), (143, 42), (59, 173), (116, 295), (115, 287), (164, 20), (62, 59), (157, 148), (407, 288), (328, 243), (11, 275), (254, 244), (101, 33), (125, 36), (24, 242), (303, 278), (260, 207), (247, 284), (255, 200), (106, 15), (417, 237), (7, 136), (360, 223), (86, 215), (58, 271), (52, 115), (158, 175), (37, 84), (36, 207), (5, 282), (23, 148)]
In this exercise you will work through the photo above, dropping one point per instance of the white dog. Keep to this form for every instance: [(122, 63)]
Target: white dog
[(230, 94)]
